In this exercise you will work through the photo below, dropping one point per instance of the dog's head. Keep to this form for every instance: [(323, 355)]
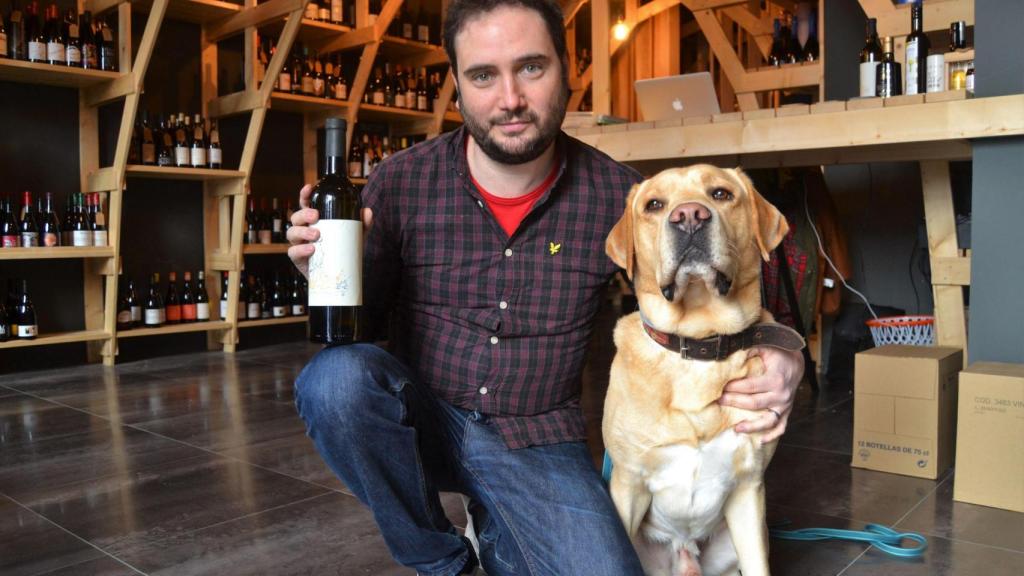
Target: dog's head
[(692, 238)]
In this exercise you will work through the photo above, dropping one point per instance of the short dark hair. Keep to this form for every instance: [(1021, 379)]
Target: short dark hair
[(461, 11)]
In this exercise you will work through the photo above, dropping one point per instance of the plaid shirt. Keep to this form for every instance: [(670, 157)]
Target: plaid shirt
[(490, 322)]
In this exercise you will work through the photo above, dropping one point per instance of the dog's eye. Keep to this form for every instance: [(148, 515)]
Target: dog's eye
[(721, 194), (653, 205)]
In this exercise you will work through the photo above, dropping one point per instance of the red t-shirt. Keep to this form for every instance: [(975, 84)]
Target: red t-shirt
[(509, 212)]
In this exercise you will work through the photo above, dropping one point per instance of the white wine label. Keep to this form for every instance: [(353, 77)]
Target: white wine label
[(318, 87), (252, 236), (336, 11), (215, 155), (298, 310), (198, 157), (280, 311), (284, 82), (335, 269), (154, 317), (913, 67), (124, 317), (181, 156), (99, 237), (311, 10), (265, 236), (82, 238), (423, 33), (27, 331), (73, 56), (867, 79), (223, 309), (307, 85), (254, 310), (203, 311), (29, 239), (36, 51), (136, 313), (378, 98), (55, 51), (277, 224), (400, 100), (355, 169), (341, 91)]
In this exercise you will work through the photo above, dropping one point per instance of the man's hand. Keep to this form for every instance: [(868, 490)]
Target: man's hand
[(772, 392), (301, 236)]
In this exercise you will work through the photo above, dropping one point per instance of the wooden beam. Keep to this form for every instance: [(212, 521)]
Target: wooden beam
[(355, 38), (252, 17), (895, 20), (432, 58), (601, 89), (940, 220), (236, 103), (276, 64), (100, 6), (948, 271), (576, 98), (570, 8), (792, 76)]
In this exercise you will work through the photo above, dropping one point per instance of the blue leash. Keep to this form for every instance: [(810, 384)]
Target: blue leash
[(882, 537)]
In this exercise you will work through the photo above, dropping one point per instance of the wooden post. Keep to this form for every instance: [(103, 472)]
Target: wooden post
[(601, 64), (950, 323)]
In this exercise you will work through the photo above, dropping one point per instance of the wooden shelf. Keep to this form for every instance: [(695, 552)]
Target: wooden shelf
[(175, 329), (963, 56), (49, 75), (298, 103), (375, 113), (358, 181), (56, 252), (395, 48), (253, 249), (272, 321), (311, 32), (57, 338), (197, 11), (173, 173)]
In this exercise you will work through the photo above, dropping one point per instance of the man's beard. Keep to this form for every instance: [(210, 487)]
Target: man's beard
[(521, 151)]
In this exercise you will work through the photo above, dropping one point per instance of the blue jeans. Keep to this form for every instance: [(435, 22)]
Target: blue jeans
[(538, 511)]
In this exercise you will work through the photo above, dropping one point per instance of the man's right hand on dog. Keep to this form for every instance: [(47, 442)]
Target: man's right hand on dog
[(301, 236)]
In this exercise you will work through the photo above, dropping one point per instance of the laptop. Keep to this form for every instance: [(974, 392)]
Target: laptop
[(681, 96)]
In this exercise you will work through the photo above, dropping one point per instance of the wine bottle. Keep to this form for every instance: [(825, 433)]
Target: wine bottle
[(264, 298), (202, 299), (134, 305), (181, 148), (311, 10), (336, 12), (243, 299), (97, 220), (50, 233), (124, 307), (295, 298), (172, 304), (323, 12), (252, 301), (279, 305), (423, 26), (197, 152), (81, 230), (888, 75), (10, 230), (29, 229), (870, 56), (277, 223), (188, 300), (264, 225), (335, 269), (73, 42), (55, 39), (148, 144), (287, 222), (5, 322), (165, 151), (90, 55), (284, 78), (15, 45), (777, 55), (811, 47), (214, 154), (106, 49), (154, 314), (23, 317), (917, 52), (224, 295), (251, 224)]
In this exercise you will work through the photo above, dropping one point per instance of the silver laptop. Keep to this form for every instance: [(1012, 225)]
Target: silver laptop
[(681, 96)]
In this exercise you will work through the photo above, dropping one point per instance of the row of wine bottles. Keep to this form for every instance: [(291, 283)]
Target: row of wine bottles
[(424, 27), (18, 314), (184, 141), (267, 226), (369, 151), (67, 40), (84, 223), (795, 37), (277, 295), (189, 304), (881, 75)]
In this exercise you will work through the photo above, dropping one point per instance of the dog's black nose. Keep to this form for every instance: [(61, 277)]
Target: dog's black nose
[(690, 217)]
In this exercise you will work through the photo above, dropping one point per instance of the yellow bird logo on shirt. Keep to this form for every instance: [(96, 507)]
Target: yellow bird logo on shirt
[(554, 248)]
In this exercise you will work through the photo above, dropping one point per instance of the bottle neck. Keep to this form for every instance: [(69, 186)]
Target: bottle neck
[(334, 165)]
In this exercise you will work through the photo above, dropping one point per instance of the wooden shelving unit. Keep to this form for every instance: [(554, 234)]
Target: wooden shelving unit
[(169, 173), (56, 252), (273, 321), (302, 104), (48, 75), (59, 338), (265, 249), (175, 329)]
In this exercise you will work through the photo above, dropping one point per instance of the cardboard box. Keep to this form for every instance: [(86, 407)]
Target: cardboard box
[(990, 441), (904, 409)]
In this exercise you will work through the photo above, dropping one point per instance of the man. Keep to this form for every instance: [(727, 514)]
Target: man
[(487, 246)]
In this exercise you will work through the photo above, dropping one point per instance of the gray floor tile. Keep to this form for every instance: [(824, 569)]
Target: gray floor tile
[(942, 558), (30, 545), (830, 430), (105, 566), (799, 558)]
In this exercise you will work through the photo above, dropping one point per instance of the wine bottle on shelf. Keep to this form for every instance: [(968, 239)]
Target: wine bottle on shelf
[(224, 295), (319, 80), (367, 156), (311, 11), (794, 53), (90, 51), (97, 220), (10, 230), (287, 221), (29, 229), (335, 270), (888, 74), (870, 56), (81, 229), (277, 223), (241, 310), (264, 226), (202, 299), (197, 152), (422, 101), (917, 53), (165, 150), (24, 325), (296, 297), (188, 300), (279, 301), (284, 78), (777, 55), (323, 12), (252, 301), (306, 80), (49, 234), (154, 313), (73, 45), (34, 31), (355, 160), (811, 47), (181, 147), (251, 224), (106, 49), (55, 39), (172, 304), (124, 307), (134, 304), (337, 15), (15, 45), (214, 154), (5, 322), (398, 87), (423, 26), (264, 298), (148, 144)]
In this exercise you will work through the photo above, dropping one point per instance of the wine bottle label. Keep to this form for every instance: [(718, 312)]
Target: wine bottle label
[(324, 14), (913, 67), (265, 236), (50, 239), (223, 309), (188, 312), (341, 91), (335, 269), (423, 34), (198, 157), (99, 237), (277, 225), (307, 85), (89, 55), (11, 241), (400, 100), (251, 237), (3, 52), (378, 98), (149, 153), (154, 317), (136, 313), (336, 11), (311, 10), (215, 156), (298, 310), (407, 30), (55, 51), (82, 238), (253, 311), (867, 79), (27, 331), (73, 55), (280, 311), (181, 157), (124, 317), (284, 82), (203, 311), (355, 169), (164, 160), (173, 313), (318, 87), (241, 310), (29, 239), (969, 83), (36, 51)]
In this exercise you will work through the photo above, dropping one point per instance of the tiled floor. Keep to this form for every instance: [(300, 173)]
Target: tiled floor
[(198, 464)]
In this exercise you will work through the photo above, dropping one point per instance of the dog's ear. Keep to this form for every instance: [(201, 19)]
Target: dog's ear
[(619, 245), (770, 226)]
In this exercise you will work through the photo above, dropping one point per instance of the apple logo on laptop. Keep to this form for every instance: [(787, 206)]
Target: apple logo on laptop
[(677, 105)]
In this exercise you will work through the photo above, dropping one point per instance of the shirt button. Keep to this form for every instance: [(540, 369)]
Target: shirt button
[(508, 251), (494, 339), (503, 305), (479, 203), (483, 389)]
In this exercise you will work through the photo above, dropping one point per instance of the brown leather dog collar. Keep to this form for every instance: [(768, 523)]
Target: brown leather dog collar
[(722, 346)]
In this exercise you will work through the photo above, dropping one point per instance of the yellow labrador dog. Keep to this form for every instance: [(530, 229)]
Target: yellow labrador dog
[(688, 488)]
